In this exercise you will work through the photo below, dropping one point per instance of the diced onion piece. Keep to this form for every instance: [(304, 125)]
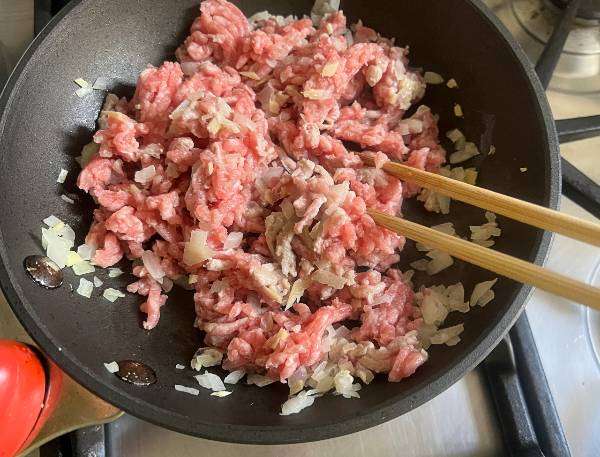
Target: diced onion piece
[(297, 290), (210, 381), (87, 153), (86, 252), (62, 176), (233, 240), (101, 83), (296, 404), (234, 377), (83, 267), (316, 94), (471, 176), (206, 357), (433, 310), (57, 247), (468, 151), (145, 175), (343, 384), (112, 294), (523, 169), (192, 279), (196, 250), (84, 91), (85, 288), (458, 112), (480, 290), (329, 279), (112, 367), (52, 221), (433, 78), (492, 150), (452, 84), (114, 272), (81, 82), (259, 380), (153, 266), (73, 258), (97, 281), (187, 390), (250, 75), (221, 393), (420, 265), (447, 334), (329, 69), (455, 135), (67, 199), (179, 367), (439, 261)]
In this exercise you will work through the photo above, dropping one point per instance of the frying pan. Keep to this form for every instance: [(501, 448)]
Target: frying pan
[(44, 126)]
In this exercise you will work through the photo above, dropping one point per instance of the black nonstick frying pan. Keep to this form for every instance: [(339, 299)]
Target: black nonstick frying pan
[(43, 126)]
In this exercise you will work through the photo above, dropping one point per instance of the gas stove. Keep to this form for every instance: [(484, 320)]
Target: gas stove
[(487, 412)]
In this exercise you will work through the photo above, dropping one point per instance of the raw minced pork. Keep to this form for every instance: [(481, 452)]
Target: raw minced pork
[(230, 172)]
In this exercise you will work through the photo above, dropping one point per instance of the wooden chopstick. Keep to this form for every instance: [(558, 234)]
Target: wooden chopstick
[(495, 261), (520, 210)]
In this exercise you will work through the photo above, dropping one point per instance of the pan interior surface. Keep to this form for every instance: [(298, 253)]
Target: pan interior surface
[(44, 126)]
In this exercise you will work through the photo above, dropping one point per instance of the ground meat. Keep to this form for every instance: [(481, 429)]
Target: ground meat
[(246, 133)]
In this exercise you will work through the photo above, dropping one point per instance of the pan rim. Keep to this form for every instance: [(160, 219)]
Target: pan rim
[(287, 434)]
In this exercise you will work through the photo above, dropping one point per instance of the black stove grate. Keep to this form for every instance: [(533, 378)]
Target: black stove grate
[(516, 378)]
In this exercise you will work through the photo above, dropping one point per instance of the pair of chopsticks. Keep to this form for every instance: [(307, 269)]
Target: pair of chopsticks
[(495, 261)]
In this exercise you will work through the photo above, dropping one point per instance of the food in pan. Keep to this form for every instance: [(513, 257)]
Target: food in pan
[(234, 172)]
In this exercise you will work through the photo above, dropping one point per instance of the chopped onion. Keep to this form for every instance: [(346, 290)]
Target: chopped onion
[(86, 252), (152, 264), (206, 357), (250, 75), (210, 381), (458, 112), (233, 240), (81, 82), (480, 290), (187, 390), (101, 83), (446, 335), (316, 94), (433, 310), (52, 221), (67, 199), (221, 393), (329, 69), (452, 84), (196, 250), (420, 265), (114, 272), (179, 366), (87, 153), (439, 261), (259, 380), (433, 78), (234, 377), (296, 404), (62, 176), (112, 294), (145, 175), (297, 290), (112, 367), (85, 288), (83, 267), (97, 281), (84, 91), (468, 151), (329, 279), (57, 247), (73, 258)]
